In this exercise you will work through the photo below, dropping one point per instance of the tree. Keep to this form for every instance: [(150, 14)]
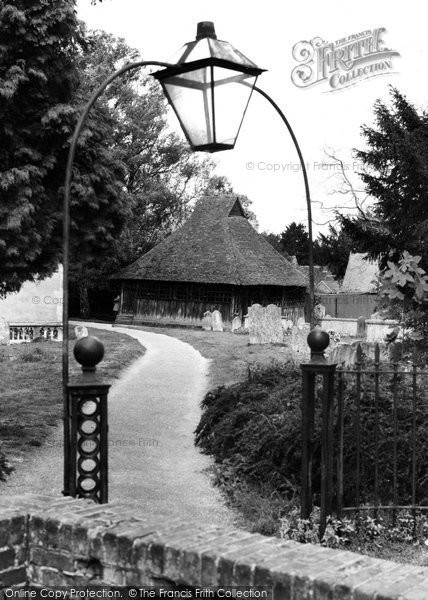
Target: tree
[(394, 229), (295, 242), (161, 175), (40, 102), (332, 250), (274, 240), (38, 76), (404, 296), (396, 177)]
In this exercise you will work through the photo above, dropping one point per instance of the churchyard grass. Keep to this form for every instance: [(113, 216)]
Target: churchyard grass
[(31, 392), (230, 354)]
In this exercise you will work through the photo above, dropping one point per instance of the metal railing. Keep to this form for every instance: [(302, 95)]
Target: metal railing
[(364, 447), (387, 402)]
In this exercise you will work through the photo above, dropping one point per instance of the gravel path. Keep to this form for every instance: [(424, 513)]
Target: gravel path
[(153, 411)]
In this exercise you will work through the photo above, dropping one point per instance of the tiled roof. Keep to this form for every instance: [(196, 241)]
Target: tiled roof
[(361, 274), (217, 244)]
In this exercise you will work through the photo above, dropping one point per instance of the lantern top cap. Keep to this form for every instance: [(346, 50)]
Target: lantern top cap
[(206, 30), (206, 47)]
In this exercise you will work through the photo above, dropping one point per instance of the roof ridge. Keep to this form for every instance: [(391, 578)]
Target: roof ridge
[(213, 247)]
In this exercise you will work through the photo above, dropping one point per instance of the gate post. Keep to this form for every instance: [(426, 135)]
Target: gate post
[(318, 341), (87, 469)]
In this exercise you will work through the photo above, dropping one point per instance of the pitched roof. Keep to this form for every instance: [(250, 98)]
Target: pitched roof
[(327, 287), (217, 244), (360, 275), (320, 274)]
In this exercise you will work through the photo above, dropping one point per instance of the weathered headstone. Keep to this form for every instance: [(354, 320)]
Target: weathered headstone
[(344, 355), (361, 327), (273, 324), (287, 325), (4, 332), (255, 323), (300, 322), (300, 350), (207, 321), (319, 311), (265, 324), (81, 331), (236, 323), (217, 321)]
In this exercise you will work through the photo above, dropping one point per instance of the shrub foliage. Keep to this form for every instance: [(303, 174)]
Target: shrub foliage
[(253, 429)]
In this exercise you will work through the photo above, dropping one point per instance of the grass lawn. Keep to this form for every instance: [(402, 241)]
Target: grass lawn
[(30, 386), (230, 353)]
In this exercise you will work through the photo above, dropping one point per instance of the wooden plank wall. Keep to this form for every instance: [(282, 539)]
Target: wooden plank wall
[(349, 306)]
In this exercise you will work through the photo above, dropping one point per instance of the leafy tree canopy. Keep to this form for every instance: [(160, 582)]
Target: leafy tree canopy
[(396, 177), (161, 175), (40, 100)]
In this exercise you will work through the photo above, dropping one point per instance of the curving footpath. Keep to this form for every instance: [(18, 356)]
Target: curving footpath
[(153, 411)]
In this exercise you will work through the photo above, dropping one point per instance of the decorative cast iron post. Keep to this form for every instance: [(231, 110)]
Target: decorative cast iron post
[(86, 472), (318, 341)]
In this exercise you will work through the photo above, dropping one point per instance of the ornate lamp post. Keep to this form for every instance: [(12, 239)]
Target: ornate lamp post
[(209, 87)]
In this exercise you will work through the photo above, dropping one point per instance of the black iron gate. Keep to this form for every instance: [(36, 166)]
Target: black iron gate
[(385, 405), (374, 451)]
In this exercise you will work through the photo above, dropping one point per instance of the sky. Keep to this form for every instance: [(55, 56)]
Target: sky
[(264, 164)]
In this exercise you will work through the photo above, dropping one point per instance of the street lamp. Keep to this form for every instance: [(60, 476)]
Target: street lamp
[(209, 88), (204, 87)]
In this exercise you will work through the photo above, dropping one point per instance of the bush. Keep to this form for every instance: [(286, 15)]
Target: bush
[(357, 531), (33, 354), (253, 430)]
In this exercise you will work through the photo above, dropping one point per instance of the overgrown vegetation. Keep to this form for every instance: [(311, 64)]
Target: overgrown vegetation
[(401, 537), (253, 431)]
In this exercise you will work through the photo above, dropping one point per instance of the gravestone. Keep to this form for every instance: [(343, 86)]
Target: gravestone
[(300, 322), (80, 331), (361, 327), (255, 323), (319, 311), (287, 325), (207, 321), (4, 332), (236, 323), (273, 324), (344, 355), (368, 349), (217, 321), (300, 350), (265, 324)]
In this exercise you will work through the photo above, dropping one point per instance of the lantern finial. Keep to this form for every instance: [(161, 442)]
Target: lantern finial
[(205, 30)]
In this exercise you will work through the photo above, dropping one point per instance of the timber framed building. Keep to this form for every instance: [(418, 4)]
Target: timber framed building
[(215, 261)]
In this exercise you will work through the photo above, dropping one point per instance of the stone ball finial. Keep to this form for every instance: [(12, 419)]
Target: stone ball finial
[(318, 340), (88, 351)]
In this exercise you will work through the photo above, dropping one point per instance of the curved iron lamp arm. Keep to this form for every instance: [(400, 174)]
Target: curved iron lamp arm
[(308, 203), (66, 240)]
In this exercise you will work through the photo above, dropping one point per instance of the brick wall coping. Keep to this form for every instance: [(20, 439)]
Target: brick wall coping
[(52, 541)]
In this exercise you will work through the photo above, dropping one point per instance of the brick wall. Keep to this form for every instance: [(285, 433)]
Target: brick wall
[(63, 541)]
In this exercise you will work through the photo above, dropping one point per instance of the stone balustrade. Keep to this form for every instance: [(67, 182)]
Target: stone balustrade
[(24, 332)]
